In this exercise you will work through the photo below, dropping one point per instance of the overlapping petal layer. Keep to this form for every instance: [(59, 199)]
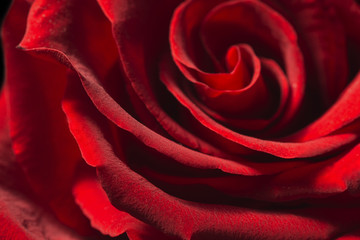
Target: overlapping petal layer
[(40, 137), (22, 215), (152, 172), (229, 23)]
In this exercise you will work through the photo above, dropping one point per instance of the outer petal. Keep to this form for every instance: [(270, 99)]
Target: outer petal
[(345, 111), (130, 192), (41, 140), (94, 202), (22, 217), (96, 206), (79, 110)]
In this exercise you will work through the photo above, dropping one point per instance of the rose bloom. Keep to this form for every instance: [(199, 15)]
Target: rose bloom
[(169, 119)]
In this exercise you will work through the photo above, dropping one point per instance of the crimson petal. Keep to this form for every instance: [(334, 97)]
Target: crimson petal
[(183, 28), (41, 140)]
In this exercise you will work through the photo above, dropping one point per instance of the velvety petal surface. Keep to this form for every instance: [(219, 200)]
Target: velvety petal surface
[(93, 200), (41, 140), (149, 174), (141, 199), (134, 70), (225, 18), (22, 215)]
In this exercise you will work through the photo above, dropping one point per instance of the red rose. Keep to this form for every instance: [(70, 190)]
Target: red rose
[(168, 119)]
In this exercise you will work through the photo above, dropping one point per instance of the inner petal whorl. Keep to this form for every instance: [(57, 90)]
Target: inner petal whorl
[(234, 36)]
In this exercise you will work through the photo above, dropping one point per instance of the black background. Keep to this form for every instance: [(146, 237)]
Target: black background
[(4, 6)]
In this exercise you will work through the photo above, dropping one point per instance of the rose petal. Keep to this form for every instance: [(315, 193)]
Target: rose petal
[(270, 70), (325, 178), (42, 143), (106, 218), (252, 100), (128, 46), (129, 191), (135, 192), (323, 42), (135, 71), (96, 206), (349, 11), (281, 149), (335, 176), (238, 71), (224, 222), (181, 32), (344, 111), (22, 218), (78, 106), (21, 215)]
